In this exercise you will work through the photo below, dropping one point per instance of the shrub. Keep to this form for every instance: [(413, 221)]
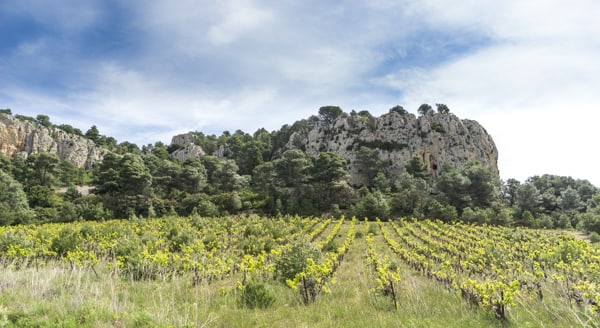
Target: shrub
[(594, 237), (373, 229), (437, 127), (67, 240), (256, 295), (293, 261), (331, 246)]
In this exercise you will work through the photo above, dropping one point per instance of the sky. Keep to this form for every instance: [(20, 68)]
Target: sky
[(144, 71)]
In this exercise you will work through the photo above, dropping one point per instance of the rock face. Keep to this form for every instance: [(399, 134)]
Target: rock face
[(436, 138), (23, 138), (186, 147)]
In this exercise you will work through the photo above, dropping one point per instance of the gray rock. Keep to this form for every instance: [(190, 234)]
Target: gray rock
[(437, 139), (25, 138)]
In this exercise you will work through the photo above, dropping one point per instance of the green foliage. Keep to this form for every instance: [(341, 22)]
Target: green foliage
[(125, 183), (293, 261), (589, 222), (256, 295), (416, 168), (67, 240), (6, 111), (70, 129), (257, 173), (25, 118), (42, 169), (330, 113), (369, 163), (399, 110), (437, 127), (424, 109), (43, 120), (473, 185), (373, 205), (14, 207), (528, 199), (442, 108), (444, 212)]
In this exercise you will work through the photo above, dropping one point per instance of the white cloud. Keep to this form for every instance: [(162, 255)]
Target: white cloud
[(236, 19)]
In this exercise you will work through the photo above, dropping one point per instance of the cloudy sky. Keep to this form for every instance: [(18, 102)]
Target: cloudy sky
[(143, 71)]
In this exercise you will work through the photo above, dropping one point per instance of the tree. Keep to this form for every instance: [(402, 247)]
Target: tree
[(125, 184), (368, 164), (328, 168), (373, 205), (454, 188), (193, 176), (569, 200), (398, 109), (484, 185), (247, 152), (42, 169), (442, 108), (424, 109), (294, 168), (14, 207), (330, 113), (412, 195), (93, 134), (43, 120), (528, 199), (416, 168), (509, 191), (328, 177), (444, 212), (472, 185)]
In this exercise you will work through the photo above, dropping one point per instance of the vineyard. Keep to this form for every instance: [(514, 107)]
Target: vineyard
[(295, 271)]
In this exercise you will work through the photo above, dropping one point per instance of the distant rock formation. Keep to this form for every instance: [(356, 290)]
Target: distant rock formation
[(24, 138), (435, 138)]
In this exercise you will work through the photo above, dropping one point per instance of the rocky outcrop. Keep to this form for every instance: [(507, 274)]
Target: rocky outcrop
[(23, 138), (436, 138), (186, 147)]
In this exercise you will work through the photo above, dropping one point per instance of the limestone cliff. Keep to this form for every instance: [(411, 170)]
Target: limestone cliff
[(25, 137), (436, 138)]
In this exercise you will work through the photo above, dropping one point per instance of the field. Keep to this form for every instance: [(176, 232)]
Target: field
[(294, 272)]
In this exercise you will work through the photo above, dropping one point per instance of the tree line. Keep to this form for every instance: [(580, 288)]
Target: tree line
[(248, 173)]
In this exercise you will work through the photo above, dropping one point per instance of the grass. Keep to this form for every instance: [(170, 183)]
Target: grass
[(57, 296)]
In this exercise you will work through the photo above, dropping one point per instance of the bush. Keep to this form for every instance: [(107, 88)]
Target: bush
[(293, 261), (67, 240), (594, 237), (373, 229), (256, 295), (373, 205), (331, 246)]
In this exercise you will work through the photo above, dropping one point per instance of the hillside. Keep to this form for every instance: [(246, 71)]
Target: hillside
[(436, 138), (433, 164)]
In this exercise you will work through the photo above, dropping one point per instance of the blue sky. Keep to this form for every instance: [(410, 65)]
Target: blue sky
[(143, 71)]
